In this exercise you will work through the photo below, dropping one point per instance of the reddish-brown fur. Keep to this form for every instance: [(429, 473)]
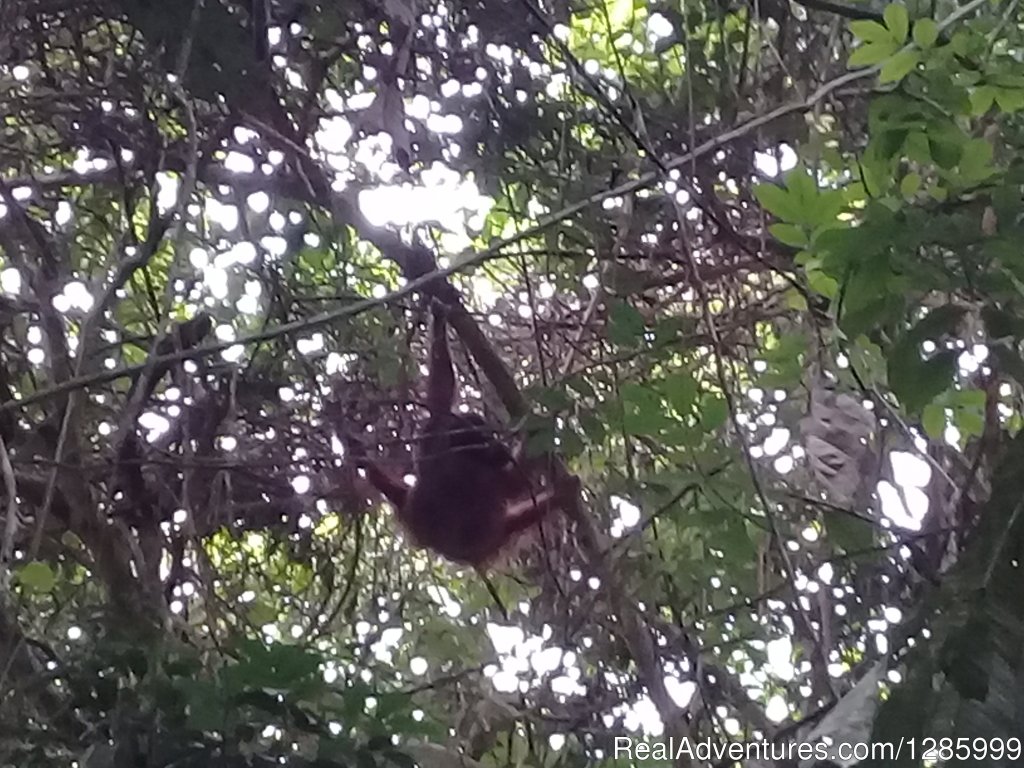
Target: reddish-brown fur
[(471, 496)]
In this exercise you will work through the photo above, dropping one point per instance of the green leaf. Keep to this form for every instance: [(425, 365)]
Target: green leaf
[(714, 412), (625, 324), (970, 398), (1010, 100), (871, 53), (644, 412), (975, 161), (261, 613), (795, 300), (822, 283), (541, 437), (37, 577), (868, 359), (801, 186), (550, 399), (870, 31), (898, 22), (917, 382), (519, 197), (926, 32), (790, 234), (778, 201), (916, 147), (593, 427), (970, 422), (802, 202), (848, 533), (875, 172), (899, 66), (910, 184), (933, 420), (945, 153), (1007, 79), (826, 206), (785, 360), (681, 391), (620, 13), (570, 443)]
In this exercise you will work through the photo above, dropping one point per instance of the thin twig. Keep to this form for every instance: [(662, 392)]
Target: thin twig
[(11, 521)]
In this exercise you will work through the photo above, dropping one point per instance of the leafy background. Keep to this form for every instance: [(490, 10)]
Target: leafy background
[(750, 270)]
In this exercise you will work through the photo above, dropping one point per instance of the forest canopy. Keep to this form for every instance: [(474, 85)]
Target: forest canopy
[(747, 272)]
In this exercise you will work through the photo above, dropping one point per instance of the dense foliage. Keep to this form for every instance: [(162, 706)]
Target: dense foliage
[(750, 270)]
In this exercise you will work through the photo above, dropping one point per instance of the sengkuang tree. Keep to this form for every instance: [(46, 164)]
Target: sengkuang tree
[(749, 271)]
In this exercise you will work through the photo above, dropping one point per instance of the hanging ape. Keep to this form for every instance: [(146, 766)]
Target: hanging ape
[(471, 495)]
